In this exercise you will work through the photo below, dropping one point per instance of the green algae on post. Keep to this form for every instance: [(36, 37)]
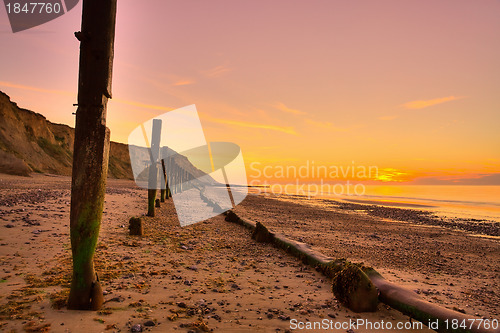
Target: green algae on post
[(353, 288)]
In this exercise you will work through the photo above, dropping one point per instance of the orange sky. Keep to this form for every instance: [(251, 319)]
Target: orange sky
[(408, 86)]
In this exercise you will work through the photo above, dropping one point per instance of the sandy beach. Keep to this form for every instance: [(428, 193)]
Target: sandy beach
[(212, 275)]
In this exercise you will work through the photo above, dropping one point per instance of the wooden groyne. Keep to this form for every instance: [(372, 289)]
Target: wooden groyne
[(350, 285)]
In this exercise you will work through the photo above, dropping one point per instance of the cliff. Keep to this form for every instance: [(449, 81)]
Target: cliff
[(30, 143)]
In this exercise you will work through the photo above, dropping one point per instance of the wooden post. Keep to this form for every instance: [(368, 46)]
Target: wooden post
[(174, 176), (91, 149), (164, 190), (135, 226), (153, 169), (169, 192), (168, 178), (180, 180), (179, 175)]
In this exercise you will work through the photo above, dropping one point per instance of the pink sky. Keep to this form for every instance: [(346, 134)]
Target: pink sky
[(409, 86)]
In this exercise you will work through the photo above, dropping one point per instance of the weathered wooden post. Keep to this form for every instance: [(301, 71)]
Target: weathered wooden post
[(169, 192), (153, 169), (179, 174), (180, 180), (174, 176), (91, 149), (168, 178), (163, 193), (135, 226)]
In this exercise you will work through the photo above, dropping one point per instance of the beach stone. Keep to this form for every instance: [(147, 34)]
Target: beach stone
[(136, 328), (117, 299), (150, 323), (135, 226)]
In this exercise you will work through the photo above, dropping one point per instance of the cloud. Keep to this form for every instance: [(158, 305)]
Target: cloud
[(430, 102), (68, 93), (473, 179), (284, 108), (183, 82), (216, 71), (141, 105), (283, 129), (328, 125), (31, 88), (387, 117)]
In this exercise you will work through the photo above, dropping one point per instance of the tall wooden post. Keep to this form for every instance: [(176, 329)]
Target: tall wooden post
[(168, 180), (91, 149), (163, 194), (178, 179), (181, 175), (174, 177), (153, 169), (169, 176)]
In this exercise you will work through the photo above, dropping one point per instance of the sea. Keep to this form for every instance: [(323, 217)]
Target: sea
[(451, 201)]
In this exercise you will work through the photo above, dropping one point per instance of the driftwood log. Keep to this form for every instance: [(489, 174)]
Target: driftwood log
[(360, 288)]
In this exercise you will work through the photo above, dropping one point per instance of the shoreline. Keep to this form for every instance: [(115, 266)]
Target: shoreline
[(397, 211)]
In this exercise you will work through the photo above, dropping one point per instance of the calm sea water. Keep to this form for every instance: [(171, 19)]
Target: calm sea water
[(470, 202)]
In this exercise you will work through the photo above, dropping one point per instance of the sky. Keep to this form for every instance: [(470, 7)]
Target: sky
[(409, 87)]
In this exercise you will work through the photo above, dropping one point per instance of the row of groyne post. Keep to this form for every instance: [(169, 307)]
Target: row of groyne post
[(164, 166), (173, 179)]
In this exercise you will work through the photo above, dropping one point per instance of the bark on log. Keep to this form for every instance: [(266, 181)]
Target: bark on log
[(91, 149), (391, 294)]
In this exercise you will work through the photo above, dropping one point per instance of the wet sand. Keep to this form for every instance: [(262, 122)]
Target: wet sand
[(212, 275)]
